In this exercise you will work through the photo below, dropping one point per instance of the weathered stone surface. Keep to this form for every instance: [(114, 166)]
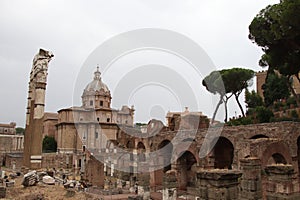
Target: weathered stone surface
[(30, 179), (2, 192), (251, 183), (48, 180), (135, 198), (218, 184), (35, 110), (282, 182)]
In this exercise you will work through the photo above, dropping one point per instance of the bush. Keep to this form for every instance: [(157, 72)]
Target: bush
[(291, 100), (240, 121), (294, 114), (49, 144), (263, 114)]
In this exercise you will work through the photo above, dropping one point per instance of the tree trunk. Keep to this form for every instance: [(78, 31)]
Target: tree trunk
[(216, 110), (225, 105), (238, 102), (226, 113)]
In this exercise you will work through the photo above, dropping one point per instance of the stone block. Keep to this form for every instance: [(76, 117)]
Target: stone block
[(249, 185), (2, 192), (232, 193), (217, 194), (135, 198), (203, 192)]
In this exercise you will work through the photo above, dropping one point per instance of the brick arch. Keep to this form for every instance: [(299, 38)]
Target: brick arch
[(223, 152), (165, 148), (143, 142), (141, 150), (159, 139), (186, 174), (179, 149), (276, 148), (258, 136), (190, 155), (230, 137), (130, 144)]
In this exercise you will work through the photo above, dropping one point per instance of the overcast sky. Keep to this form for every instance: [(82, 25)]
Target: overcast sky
[(73, 29)]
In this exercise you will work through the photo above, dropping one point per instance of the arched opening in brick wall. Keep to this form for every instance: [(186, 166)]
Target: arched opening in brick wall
[(258, 136), (277, 152), (186, 175), (130, 144), (223, 154), (141, 150), (165, 151), (162, 161), (277, 158)]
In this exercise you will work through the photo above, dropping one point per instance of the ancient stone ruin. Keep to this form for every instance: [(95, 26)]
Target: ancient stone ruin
[(35, 109)]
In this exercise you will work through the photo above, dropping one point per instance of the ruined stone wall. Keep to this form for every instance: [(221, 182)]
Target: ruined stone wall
[(94, 172), (49, 128), (67, 138), (58, 161), (14, 161)]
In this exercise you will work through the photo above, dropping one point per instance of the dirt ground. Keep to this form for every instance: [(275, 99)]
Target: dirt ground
[(44, 192)]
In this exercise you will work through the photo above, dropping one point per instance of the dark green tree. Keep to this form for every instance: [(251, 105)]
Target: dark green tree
[(277, 30), (226, 83), (263, 114), (20, 130), (49, 144), (214, 84), (275, 88), (236, 80), (252, 99)]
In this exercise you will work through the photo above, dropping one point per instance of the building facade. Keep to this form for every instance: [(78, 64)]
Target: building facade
[(94, 125), (11, 144)]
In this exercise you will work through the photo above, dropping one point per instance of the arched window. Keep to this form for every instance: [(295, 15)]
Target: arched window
[(223, 153), (141, 152)]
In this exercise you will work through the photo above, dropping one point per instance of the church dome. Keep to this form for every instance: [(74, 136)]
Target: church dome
[(96, 94), (97, 84)]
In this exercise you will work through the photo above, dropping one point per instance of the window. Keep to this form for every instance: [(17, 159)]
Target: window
[(84, 136), (96, 135), (98, 119), (101, 103), (108, 119), (91, 102)]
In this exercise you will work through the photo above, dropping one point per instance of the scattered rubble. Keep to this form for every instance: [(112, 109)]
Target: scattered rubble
[(30, 179), (48, 180)]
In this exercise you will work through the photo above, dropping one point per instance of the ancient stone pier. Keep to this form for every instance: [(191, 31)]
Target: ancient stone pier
[(35, 110), (170, 186), (251, 185), (218, 184), (282, 182)]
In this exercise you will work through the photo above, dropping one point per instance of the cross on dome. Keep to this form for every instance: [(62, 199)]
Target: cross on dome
[(97, 74)]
